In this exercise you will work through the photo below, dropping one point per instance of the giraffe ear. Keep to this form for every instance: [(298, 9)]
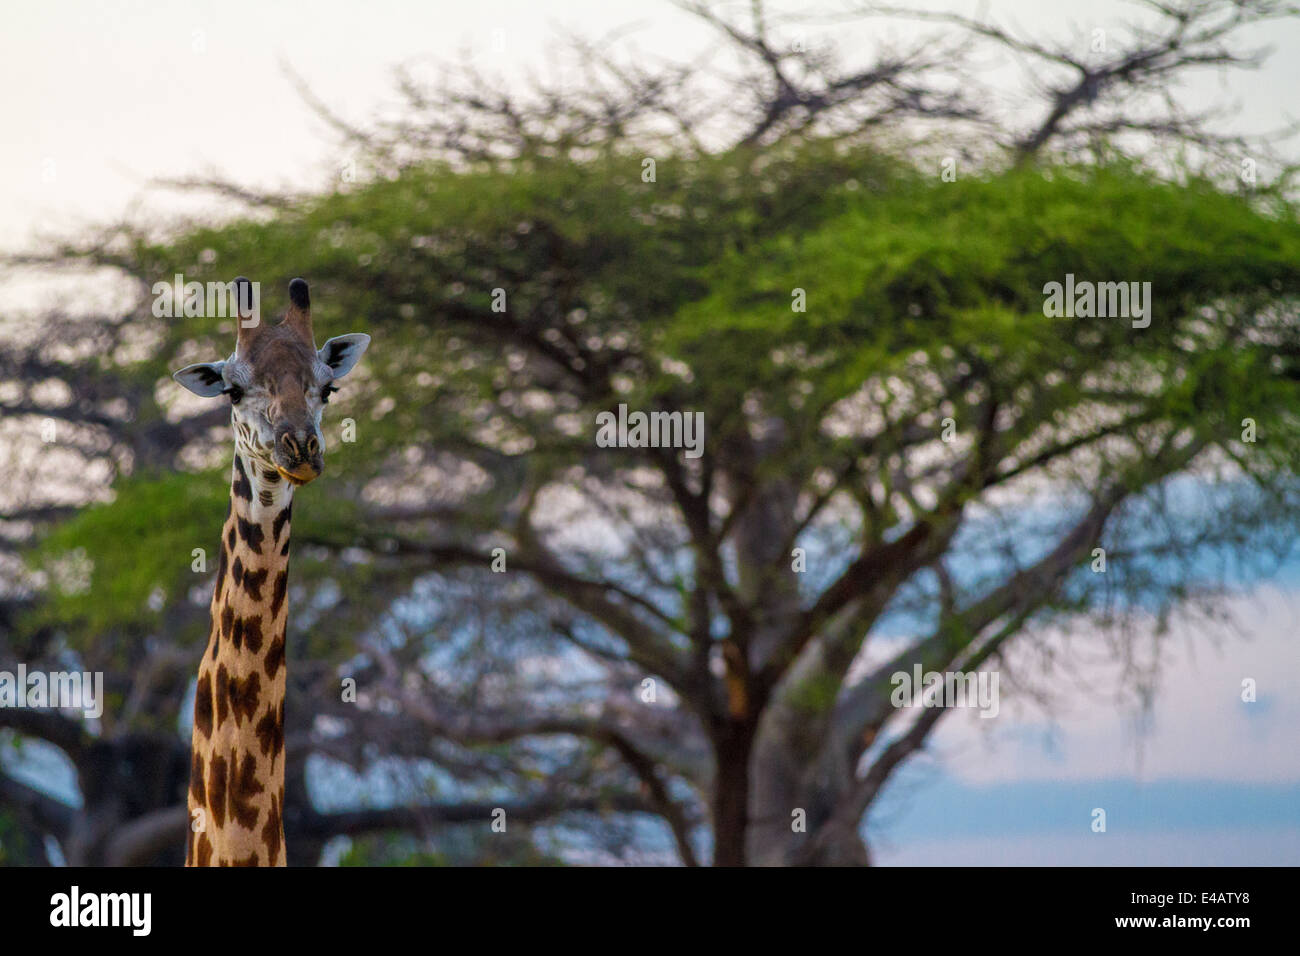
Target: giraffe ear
[(203, 379), (342, 352)]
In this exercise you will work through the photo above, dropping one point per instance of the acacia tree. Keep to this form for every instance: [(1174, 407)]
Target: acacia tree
[(867, 343)]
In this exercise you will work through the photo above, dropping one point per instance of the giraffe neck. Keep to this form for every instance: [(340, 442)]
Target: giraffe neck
[(236, 797)]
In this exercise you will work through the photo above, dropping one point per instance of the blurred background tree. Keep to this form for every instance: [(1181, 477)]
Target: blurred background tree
[(842, 268)]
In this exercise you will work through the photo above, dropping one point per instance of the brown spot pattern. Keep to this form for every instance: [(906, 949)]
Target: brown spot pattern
[(203, 707), (198, 788), (244, 786), (252, 534), (219, 693), (271, 832), (278, 591), (217, 790), (244, 696), (203, 855), (270, 731), (253, 633), (222, 564), (281, 520), (275, 656), (241, 487), (253, 581)]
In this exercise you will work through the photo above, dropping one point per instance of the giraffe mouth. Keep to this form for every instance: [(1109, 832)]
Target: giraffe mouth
[(297, 480)]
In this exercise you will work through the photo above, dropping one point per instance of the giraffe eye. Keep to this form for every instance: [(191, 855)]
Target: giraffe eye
[(327, 391), (235, 393)]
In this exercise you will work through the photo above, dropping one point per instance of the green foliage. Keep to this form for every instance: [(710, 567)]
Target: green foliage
[(960, 267), (135, 547), (700, 266), (16, 847)]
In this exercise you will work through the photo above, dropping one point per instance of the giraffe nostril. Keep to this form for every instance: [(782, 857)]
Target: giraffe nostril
[(313, 446), (289, 445)]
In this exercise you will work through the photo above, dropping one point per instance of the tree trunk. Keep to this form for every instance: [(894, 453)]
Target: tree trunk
[(122, 780), (731, 793), (800, 785), (833, 845)]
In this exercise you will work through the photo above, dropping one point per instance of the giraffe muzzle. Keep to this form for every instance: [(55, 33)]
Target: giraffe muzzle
[(298, 457)]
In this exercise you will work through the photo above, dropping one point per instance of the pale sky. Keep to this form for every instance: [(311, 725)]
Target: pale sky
[(1211, 780), (102, 97)]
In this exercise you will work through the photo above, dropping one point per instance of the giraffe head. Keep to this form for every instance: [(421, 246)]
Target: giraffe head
[(278, 383)]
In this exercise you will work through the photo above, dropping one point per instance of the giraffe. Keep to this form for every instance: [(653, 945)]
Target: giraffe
[(278, 384)]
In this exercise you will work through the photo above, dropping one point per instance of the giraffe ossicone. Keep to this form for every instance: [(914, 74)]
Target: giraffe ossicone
[(278, 384)]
